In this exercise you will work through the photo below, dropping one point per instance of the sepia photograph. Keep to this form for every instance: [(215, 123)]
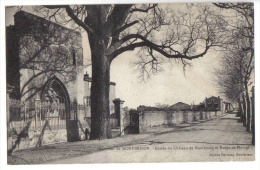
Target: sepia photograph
[(129, 83)]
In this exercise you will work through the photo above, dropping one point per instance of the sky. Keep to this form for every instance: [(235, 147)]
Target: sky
[(167, 87)]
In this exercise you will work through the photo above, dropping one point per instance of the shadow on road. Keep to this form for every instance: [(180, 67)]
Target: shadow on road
[(200, 129), (229, 118), (183, 142)]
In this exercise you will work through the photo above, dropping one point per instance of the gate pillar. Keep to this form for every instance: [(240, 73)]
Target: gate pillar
[(119, 113)]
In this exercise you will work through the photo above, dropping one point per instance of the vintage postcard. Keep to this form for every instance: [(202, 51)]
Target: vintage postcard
[(130, 83)]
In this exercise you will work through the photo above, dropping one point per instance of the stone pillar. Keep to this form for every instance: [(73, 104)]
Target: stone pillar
[(118, 112), (37, 102), (207, 115), (201, 115)]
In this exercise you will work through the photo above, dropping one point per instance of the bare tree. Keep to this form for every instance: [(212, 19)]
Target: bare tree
[(161, 106), (243, 27), (155, 31), (231, 77), (234, 77)]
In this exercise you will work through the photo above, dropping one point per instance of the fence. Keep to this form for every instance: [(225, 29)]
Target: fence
[(36, 123), (38, 111)]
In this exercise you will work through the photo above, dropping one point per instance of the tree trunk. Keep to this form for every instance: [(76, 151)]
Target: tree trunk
[(244, 109), (100, 128), (253, 116), (248, 111), (239, 113)]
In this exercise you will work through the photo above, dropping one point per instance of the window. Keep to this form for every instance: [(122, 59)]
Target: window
[(87, 101), (74, 57)]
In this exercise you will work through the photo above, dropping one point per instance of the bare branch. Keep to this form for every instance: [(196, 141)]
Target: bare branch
[(118, 31), (70, 12), (78, 21), (158, 48), (144, 10)]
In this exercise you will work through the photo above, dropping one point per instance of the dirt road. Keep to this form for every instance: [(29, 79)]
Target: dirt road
[(222, 139)]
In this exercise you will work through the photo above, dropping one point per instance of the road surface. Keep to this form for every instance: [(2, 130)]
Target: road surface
[(221, 139)]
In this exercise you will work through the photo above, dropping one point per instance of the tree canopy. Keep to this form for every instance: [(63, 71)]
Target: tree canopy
[(158, 32)]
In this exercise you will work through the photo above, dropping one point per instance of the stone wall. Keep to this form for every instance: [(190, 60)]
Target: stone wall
[(36, 133), (36, 125), (149, 119), (33, 133)]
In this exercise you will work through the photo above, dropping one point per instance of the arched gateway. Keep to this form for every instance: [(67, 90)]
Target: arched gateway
[(56, 97)]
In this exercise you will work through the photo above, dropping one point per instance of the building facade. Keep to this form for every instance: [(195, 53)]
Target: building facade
[(45, 67), (43, 56), (214, 103)]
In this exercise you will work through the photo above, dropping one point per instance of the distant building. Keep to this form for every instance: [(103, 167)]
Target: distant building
[(142, 108), (214, 103), (228, 107), (180, 106), (200, 106)]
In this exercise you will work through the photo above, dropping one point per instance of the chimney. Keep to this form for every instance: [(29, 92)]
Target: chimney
[(86, 77), (86, 74)]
